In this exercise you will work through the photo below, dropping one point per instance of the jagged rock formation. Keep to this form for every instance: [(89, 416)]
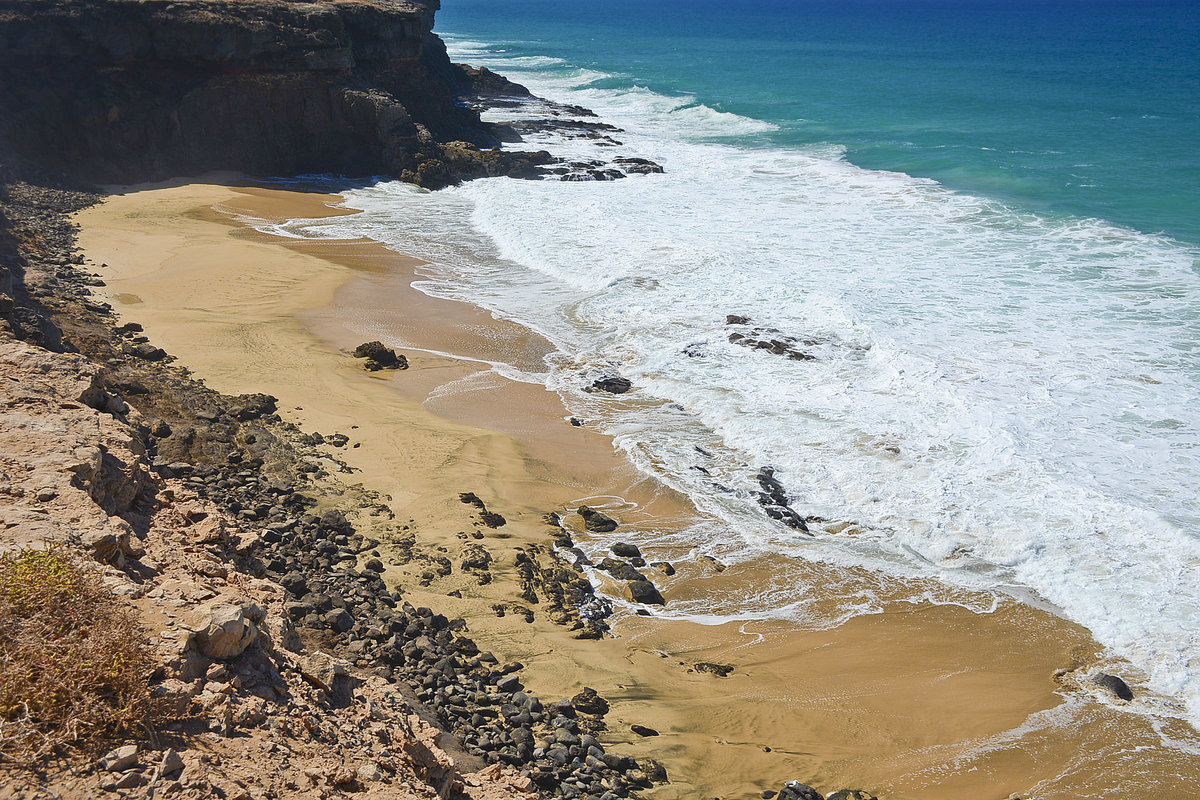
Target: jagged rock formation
[(131, 90)]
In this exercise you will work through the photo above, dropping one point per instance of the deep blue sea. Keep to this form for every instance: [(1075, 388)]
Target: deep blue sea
[(1081, 107), (981, 218)]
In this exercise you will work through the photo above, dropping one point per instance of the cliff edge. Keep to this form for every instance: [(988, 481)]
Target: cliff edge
[(121, 91)]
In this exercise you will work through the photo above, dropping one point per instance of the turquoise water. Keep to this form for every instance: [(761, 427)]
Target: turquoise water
[(1082, 108)]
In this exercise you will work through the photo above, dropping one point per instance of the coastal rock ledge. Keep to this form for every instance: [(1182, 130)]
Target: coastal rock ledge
[(120, 91)]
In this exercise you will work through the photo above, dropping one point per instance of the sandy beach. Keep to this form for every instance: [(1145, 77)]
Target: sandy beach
[(925, 700)]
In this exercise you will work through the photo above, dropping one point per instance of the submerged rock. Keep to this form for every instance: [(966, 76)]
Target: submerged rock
[(1114, 685), (613, 384)]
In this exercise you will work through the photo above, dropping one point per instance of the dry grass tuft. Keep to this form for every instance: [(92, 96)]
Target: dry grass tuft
[(73, 662)]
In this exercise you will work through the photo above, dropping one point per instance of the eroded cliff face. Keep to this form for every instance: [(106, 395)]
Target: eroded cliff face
[(130, 90)]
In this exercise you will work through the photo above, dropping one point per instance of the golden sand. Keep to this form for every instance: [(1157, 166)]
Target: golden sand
[(923, 700)]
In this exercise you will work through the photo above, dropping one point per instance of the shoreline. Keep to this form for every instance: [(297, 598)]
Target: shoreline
[(904, 693)]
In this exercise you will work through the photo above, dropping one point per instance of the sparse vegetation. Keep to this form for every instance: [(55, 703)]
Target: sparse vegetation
[(73, 662)]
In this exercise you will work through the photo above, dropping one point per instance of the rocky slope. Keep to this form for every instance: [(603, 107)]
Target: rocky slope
[(121, 91), (259, 713)]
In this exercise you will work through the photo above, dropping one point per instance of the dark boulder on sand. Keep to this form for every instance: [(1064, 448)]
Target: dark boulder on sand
[(379, 356), (644, 592), (595, 521), (626, 550)]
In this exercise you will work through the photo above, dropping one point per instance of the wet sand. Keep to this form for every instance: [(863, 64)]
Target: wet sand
[(922, 700)]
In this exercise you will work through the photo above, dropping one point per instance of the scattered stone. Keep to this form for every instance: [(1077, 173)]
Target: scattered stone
[(642, 730), (120, 759), (171, 763)]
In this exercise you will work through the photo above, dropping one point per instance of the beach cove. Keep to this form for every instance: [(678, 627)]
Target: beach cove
[(926, 699)]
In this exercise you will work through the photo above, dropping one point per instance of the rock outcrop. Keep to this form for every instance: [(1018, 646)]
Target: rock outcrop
[(131, 90)]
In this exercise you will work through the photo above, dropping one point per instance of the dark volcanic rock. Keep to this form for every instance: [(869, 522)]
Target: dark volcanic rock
[(720, 670), (123, 91), (795, 790), (596, 521), (775, 503), (613, 385), (641, 166), (620, 570), (626, 550), (642, 730), (590, 702), (482, 82), (379, 356), (644, 592)]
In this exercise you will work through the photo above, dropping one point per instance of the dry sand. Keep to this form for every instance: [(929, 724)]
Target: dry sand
[(923, 700)]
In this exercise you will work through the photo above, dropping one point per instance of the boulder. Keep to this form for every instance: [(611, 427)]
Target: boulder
[(339, 620), (642, 730), (620, 570), (626, 550), (590, 702), (327, 673), (227, 631), (378, 356), (644, 592), (596, 521), (612, 384)]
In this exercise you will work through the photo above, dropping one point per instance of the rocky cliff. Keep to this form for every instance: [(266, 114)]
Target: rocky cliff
[(128, 90)]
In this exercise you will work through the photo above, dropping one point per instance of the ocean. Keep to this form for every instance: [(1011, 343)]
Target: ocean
[(980, 219)]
